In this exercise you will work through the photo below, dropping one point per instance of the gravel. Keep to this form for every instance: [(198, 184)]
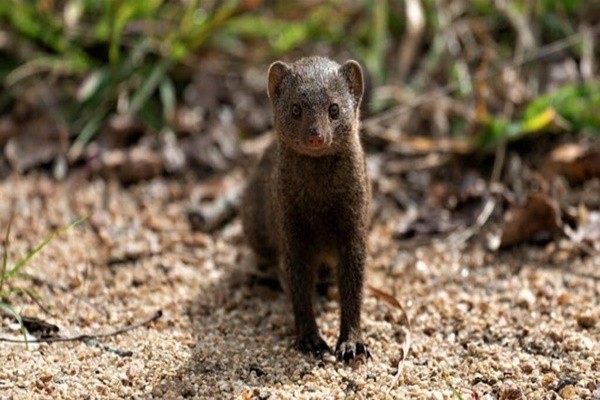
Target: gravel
[(512, 325)]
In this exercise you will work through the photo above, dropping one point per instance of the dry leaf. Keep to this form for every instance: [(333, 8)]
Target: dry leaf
[(540, 213), (574, 162)]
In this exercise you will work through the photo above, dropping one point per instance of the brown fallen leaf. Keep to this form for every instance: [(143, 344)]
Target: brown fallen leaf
[(540, 213), (574, 162)]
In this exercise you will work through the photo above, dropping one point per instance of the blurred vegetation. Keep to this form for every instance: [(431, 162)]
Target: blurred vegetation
[(136, 57)]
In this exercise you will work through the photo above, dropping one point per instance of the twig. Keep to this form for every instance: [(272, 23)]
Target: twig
[(88, 338), (95, 343), (457, 239), (218, 214), (39, 281)]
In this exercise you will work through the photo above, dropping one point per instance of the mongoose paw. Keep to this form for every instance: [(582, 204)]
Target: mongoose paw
[(350, 350), (313, 344)]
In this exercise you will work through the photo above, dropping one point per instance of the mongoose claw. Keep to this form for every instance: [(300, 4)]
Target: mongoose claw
[(348, 351), (313, 344)]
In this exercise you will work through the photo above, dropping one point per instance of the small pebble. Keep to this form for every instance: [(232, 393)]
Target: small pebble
[(568, 392), (525, 298), (511, 392), (586, 321)]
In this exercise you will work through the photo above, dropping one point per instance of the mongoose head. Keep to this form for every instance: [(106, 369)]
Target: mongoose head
[(316, 104)]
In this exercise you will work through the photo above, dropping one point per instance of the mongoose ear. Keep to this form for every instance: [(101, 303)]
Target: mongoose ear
[(352, 72), (277, 71)]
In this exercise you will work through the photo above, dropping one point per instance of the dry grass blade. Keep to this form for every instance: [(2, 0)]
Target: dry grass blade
[(391, 300), (5, 254)]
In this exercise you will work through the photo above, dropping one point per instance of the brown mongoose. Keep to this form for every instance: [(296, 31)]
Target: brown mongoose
[(306, 203)]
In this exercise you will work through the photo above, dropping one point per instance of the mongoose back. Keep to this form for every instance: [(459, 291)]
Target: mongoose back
[(306, 203)]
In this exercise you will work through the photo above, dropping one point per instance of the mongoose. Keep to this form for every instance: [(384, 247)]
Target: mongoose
[(306, 203)]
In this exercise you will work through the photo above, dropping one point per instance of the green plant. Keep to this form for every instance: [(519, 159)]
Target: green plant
[(569, 107), (7, 274), (120, 54)]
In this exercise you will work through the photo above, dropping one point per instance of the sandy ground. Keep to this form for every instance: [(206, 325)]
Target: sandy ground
[(515, 325)]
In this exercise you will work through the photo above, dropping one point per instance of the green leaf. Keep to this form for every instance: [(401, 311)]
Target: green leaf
[(577, 104), (92, 85), (202, 29), (89, 130), (151, 115), (573, 107), (58, 64), (537, 122), (167, 96), (156, 76)]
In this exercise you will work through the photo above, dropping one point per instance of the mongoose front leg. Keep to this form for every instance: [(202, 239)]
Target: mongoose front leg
[(350, 280), (301, 285)]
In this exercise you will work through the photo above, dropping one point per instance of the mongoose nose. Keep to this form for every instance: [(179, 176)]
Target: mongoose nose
[(315, 138), (316, 141)]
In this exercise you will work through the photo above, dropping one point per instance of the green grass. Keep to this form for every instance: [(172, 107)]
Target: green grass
[(7, 274)]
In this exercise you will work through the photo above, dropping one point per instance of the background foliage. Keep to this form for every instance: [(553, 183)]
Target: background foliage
[(117, 57)]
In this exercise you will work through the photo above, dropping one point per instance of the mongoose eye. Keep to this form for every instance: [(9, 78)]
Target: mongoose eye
[(296, 110), (334, 111)]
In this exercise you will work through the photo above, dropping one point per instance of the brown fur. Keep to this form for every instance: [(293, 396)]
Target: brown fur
[(307, 201)]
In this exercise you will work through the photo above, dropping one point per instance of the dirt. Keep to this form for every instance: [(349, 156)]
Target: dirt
[(522, 323)]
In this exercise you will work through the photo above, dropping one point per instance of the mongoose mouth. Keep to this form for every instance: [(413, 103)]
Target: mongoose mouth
[(314, 151)]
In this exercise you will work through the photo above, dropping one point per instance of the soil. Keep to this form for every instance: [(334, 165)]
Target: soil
[(522, 323)]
